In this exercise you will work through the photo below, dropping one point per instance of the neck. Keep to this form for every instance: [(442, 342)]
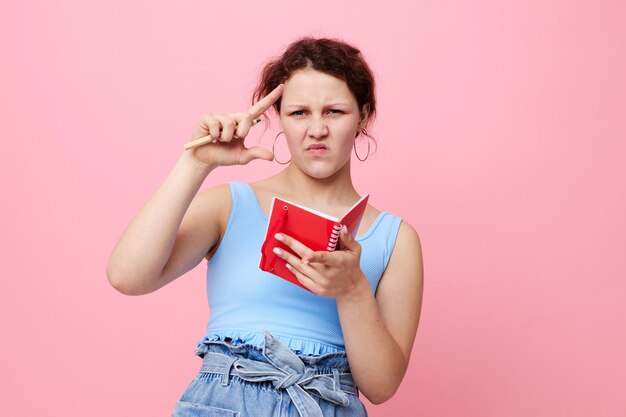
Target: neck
[(337, 188)]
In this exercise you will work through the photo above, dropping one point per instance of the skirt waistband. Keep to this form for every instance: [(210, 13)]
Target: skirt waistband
[(326, 376)]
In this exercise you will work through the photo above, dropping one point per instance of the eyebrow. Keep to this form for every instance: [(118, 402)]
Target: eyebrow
[(328, 105)]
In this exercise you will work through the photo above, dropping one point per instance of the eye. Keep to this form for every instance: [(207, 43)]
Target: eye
[(335, 111), (297, 113)]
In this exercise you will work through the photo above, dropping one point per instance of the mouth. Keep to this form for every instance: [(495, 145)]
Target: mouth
[(317, 146)]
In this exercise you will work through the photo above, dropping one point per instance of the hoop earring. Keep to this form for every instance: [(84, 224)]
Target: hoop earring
[(368, 147), (273, 146)]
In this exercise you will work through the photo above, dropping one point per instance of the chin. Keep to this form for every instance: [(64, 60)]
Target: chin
[(321, 172), (320, 175), (322, 169)]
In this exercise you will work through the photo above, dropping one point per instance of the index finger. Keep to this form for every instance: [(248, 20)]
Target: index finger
[(266, 102), (298, 247)]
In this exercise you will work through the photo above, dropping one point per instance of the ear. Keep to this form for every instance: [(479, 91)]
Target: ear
[(365, 112)]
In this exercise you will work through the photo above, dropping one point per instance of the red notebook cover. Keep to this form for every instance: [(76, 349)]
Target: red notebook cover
[(314, 229)]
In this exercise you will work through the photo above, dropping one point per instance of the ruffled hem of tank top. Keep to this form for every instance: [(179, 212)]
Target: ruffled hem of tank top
[(298, 346)]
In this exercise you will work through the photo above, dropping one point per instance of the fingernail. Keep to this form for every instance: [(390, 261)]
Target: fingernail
[(305, 262), (278, 236), (277, 251), (289, 267), (344, 230)]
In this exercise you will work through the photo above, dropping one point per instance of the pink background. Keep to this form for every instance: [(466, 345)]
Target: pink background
[(501, 140)]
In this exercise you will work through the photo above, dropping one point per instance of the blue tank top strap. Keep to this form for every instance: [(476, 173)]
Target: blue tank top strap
[(244, 190), (244, 198), (377, 245), (391, 225), (242, 195)]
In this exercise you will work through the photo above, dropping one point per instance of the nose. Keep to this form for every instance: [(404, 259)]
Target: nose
[(318, 128)]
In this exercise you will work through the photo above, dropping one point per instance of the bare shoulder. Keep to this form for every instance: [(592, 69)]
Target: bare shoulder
[(408, 238), (214, 202), (215, 194), (405, 268), (209, 212)]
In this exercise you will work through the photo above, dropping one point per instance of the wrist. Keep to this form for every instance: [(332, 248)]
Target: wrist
[(195, 164), (360, 290)]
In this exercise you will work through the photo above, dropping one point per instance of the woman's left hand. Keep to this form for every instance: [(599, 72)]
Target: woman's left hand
[(330, 274)]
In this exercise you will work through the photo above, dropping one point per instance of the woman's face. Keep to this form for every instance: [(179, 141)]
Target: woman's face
[(320, 118)]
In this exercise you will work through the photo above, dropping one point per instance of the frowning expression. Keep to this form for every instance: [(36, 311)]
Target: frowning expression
[(320, 118)]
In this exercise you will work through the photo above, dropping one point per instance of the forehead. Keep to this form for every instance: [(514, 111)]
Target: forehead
[(311, 86)]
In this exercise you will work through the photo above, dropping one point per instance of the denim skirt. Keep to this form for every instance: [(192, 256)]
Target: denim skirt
[(270, 381)]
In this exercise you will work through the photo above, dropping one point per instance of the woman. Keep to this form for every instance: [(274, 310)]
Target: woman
[(271, 345)]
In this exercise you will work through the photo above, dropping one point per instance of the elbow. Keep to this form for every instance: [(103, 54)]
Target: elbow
[(118, 284), (381, 396), (121, 283), (379, 399), (383, 390)]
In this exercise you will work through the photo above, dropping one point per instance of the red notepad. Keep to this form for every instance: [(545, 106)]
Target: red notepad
[(312, 228)]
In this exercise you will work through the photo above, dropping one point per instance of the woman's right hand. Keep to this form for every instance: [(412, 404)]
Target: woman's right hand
[(228, 131)]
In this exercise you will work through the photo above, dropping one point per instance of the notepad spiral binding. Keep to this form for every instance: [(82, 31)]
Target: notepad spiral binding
[(334, 238)]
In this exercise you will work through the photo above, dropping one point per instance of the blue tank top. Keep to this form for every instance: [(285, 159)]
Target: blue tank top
[(244, 301)]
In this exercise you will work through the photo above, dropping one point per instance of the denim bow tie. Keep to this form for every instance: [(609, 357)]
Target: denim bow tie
[(286, 371)]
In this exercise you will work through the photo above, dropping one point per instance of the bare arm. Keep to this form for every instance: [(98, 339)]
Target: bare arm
[(176, 228), (139, 258), (384, 327), (378, 330)]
